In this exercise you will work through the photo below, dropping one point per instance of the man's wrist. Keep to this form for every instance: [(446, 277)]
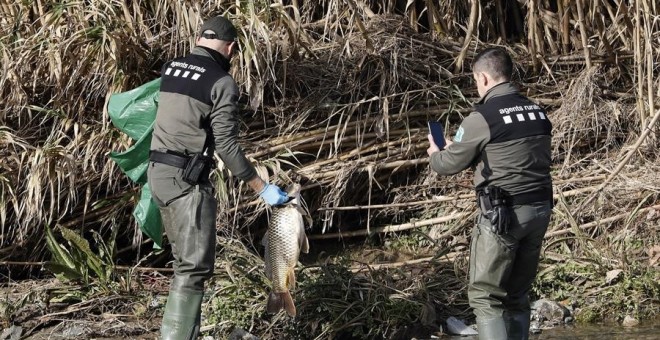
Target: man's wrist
[(257, 184)]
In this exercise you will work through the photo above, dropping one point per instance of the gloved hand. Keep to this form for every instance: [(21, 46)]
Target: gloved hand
[(273, 195)]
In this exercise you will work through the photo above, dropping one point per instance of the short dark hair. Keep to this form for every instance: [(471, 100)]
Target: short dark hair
[(494, 61)]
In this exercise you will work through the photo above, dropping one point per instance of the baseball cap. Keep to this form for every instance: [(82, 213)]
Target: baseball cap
[(221, 26)]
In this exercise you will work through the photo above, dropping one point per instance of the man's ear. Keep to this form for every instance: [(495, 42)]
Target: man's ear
[(233, 47), (479, 78), (485, 78)]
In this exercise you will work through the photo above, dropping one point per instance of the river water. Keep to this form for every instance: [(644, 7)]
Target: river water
[(603, 332), (646, 331)]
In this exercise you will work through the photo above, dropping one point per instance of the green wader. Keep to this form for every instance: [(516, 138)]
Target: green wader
[(189, 216), (502, 270)]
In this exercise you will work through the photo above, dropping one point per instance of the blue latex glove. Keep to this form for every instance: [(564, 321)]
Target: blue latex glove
[(273, 195)]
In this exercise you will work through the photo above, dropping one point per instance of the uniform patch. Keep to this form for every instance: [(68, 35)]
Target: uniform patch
[(459, 134)]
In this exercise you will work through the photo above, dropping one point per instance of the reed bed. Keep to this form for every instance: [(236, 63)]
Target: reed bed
[(336, 95)]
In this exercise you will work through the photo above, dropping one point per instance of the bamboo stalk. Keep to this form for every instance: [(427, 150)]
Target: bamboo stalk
[(472, 24), (398, 205), (284, 142), (144, 269), (649, 56), (499, 10), (639, 62), (531, 34), (435, 18), (565, 24), (344, 140), (118, 267), (389, 165), (378, 266), (22, 263), (317, 165), (390, 228), (441, 199), (579, 179), (599, 222), (583, 34)]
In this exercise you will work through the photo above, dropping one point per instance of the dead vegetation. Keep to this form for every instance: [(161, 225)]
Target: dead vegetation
[(337, 95)]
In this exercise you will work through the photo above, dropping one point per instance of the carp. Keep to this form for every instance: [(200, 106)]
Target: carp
[(283, 242)]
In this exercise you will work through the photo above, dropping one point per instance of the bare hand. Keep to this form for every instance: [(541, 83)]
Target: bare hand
[(432, 148)]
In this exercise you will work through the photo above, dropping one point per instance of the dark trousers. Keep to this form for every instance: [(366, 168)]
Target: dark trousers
[(503, 268), (189, 218)]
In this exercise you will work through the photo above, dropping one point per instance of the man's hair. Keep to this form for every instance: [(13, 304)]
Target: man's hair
[(494, 61)]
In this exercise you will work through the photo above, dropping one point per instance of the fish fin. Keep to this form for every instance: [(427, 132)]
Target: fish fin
[(303, 242), (291, 279), (289, 306), (264, 241), (274, 303), (305, 245), (279, 301)]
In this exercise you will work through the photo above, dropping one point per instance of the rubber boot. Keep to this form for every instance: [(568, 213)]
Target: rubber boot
[(491, 329), (182, 316), (517, 325)]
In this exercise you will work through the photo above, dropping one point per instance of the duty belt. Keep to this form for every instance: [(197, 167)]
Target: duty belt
[(169, 158), (541, 195)]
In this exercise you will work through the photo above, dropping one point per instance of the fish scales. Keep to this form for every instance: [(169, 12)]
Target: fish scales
[(284, 241), (285, 246)]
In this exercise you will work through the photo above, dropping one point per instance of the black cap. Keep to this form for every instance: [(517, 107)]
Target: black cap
[(221, 26)]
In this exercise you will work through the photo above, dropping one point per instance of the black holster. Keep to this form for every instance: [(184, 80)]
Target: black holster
[(495, 205), (197, 166), (194, 167)]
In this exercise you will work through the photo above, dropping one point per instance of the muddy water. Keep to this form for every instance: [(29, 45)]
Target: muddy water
[(647, 331), (604, 332)]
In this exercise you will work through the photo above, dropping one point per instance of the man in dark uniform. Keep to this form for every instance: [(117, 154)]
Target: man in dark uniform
[(197, 116), (507, 140)]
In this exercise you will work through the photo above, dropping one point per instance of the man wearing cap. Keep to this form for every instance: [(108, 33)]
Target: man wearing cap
[(197, 116), (507, 141)]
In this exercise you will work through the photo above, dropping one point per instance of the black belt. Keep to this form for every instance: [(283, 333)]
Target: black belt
[(169, 158), (542, 195)]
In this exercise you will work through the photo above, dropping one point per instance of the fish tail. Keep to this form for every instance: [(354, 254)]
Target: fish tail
[(279, 301)]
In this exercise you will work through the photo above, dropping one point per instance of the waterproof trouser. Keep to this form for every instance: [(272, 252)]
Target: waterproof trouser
[(189, 218), (502, 270)]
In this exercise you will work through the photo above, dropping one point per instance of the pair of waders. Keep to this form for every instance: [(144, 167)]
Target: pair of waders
[(189, 218), (502, 270)]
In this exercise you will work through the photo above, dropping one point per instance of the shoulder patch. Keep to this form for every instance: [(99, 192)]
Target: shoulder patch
[(459, 134)]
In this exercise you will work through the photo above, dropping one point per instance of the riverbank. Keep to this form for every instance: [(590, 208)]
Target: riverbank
[(360, 290)]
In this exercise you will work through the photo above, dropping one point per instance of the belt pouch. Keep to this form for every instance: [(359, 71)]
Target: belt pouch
[(195, 168)]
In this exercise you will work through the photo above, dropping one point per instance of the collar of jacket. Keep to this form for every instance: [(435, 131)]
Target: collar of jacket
[(213, 54), (501, 89)]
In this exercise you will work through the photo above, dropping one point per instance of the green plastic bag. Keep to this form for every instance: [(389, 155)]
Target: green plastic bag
[(133, 113)]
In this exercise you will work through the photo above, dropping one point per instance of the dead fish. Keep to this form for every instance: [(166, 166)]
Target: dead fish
[(284, 240)]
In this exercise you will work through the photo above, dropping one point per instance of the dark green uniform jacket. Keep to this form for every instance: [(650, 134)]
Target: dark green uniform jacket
[(507, 140), (198, 108)]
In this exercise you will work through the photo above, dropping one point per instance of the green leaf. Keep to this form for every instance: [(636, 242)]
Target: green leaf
[(60, 254), (62, 272), (93, 261)]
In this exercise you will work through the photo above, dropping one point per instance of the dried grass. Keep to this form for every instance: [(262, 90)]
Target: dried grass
[(337, 95)]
